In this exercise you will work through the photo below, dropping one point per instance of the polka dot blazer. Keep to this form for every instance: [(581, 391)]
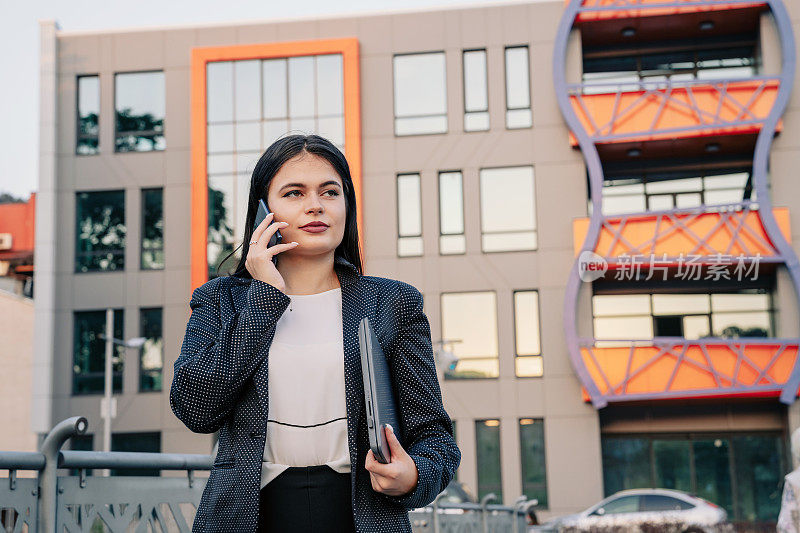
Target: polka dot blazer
[(220, 383)]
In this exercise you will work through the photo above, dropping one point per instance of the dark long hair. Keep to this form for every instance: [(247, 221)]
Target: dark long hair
[(270, 163)]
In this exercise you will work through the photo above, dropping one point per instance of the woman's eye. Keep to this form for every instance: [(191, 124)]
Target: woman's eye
[(335, 193)]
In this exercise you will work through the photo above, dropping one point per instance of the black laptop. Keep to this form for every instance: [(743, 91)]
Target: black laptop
[(379, 396)]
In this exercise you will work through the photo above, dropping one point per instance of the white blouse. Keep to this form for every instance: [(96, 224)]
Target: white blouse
[(307, 422)]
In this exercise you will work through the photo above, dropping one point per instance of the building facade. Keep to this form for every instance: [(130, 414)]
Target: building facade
[(492, 149)]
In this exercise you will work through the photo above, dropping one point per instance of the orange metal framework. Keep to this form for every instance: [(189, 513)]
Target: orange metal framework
[(671, 234), (688, 368), (348, 47), (704, 109), (648, 11)]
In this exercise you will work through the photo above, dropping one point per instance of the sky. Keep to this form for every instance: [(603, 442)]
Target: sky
[(19, 39)]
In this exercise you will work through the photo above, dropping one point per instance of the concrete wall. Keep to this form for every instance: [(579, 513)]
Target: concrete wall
[(16, 360)]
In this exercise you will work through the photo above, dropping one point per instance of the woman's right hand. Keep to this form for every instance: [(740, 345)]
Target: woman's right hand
[(259, 256)]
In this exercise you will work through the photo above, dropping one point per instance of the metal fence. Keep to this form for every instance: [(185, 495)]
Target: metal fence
[(139, 504)]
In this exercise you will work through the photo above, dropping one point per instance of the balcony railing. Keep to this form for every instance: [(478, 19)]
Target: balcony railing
[(710, 232), (662, 109), (83, 503), (665, 367)]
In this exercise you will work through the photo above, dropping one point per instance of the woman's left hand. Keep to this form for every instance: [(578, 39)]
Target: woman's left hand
[(399, 476)]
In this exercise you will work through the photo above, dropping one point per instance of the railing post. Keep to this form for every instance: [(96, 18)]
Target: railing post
[(514, 518), (48, 478), (484, 503), (435, 519)]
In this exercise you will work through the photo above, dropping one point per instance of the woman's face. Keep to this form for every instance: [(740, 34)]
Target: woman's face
[(308, 189)]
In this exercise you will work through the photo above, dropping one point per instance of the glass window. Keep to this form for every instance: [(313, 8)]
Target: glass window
[(420, 94), (476, 91), (508, 209), (712, 468), (623, 504), (151, 354), (705, 465), (526, 334), (89, 352), (451, 214), (487, 437), (152, 254), (99, 231), (737, 59), (220, 220), (247, 92), (626, 463), (679, 304), (469, 321), (136, 442), (140, 110), (251, 103), (655, 191), (88, 113), (672, 468), (759, 467), (409, 215), (518, 92), (534, 476), (659, 502)]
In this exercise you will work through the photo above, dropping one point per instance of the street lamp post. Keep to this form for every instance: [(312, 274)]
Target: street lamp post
[(106, 406)]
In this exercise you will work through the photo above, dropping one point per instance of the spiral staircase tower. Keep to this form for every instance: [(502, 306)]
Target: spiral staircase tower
[(639, 113)]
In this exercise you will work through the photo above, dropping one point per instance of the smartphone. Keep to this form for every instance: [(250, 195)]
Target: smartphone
[(261, 214)]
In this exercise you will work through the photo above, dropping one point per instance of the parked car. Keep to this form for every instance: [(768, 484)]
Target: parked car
[(661, 510)]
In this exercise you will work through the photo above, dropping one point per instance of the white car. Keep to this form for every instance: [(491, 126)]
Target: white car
[(660, 510)]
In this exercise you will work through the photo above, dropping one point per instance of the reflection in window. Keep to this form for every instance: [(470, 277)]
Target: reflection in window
[(250, 104), (88, 113), (624, 504), (476, 91), (654, 193), (487, 437), (626, 464), (625, 71), (451, 214), (469, 322), (420, 94), (531, 446), (152, 254), (140, 110), (151, 354), (409, 215), (89, 352), (742, 473), (99, 231), (672, 469), (518, 88), (747, 313), (508, 209), (526, 334), (220, 222)]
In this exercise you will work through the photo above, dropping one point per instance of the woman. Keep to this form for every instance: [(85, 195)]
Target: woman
[(284, 388)]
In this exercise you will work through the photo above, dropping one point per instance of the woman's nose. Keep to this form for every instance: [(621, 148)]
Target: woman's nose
[(313, 204)]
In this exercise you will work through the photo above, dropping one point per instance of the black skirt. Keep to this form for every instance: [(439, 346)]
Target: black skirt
[(314, 499)]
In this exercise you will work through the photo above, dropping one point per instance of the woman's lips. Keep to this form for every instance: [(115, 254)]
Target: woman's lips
[(314, 229)]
